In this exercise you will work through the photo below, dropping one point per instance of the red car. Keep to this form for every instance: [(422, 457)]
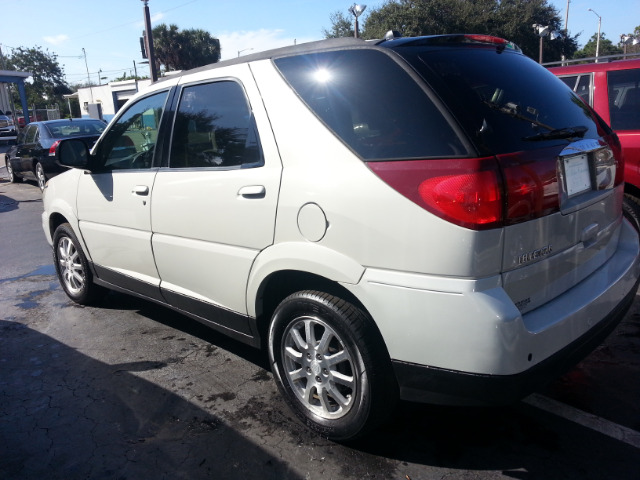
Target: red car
[(613, 90)]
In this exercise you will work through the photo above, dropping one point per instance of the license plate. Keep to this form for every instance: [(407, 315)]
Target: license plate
[(577, 174)]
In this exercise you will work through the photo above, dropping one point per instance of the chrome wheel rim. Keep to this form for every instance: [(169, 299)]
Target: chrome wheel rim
[(42, 180), (71, 270), (319, 368), (9, 169)]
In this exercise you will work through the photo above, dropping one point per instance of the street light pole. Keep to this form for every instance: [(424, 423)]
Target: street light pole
[(356, 11), (598, 40), (150, 50)]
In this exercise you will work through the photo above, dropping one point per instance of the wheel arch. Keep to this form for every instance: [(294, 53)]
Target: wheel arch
[(279, 285)]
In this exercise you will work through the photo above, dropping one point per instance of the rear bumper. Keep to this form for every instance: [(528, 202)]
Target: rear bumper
[(460, 341), (419, 383)]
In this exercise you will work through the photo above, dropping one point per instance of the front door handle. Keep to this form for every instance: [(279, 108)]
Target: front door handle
[(253, 191), (141, 190)]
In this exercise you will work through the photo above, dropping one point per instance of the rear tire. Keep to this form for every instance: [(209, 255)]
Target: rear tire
[(72, 267), (331, 365), (40, 176)]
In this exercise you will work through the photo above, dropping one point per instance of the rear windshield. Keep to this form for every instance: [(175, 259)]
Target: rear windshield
[(73, 128), (505, 101), (372, 104)]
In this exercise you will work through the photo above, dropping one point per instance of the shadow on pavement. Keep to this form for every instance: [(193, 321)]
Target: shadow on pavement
[(67, 416)]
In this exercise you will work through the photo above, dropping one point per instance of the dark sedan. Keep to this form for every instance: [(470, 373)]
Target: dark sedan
[(33, 157)]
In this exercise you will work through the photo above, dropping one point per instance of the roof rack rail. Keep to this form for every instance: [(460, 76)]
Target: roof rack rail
[(599, 59)]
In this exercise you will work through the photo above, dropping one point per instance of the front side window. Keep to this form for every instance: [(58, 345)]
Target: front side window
[(624, 99), (130, 142), (214, 127)]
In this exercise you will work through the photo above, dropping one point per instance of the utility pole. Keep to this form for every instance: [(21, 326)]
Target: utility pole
[(88, 77), (149, 38)]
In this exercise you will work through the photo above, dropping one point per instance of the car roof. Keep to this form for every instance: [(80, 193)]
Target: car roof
[(390, 41), (596, 67)]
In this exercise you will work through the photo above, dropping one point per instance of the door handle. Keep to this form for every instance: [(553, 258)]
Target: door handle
[(141, 190), (252, 191)]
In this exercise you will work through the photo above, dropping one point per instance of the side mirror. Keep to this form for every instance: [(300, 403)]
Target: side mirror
[(72, 153)]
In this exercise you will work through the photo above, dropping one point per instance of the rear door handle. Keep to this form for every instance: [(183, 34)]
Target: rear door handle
[(252, 191), (141, 190)]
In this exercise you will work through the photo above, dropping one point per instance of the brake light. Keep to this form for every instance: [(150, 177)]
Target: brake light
[(52, 148), (466, 192), (533, 190), (486, 39), (478, 193)]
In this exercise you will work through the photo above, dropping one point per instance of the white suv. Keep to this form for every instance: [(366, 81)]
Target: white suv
[(435, 219)]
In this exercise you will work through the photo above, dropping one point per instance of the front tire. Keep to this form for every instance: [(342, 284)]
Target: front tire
[(10, 172), (331, 365), (72, 267)]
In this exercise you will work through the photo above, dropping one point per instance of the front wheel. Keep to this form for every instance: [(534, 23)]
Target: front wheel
[(10, 172), (72, 267), (331, 365), (40, 176)]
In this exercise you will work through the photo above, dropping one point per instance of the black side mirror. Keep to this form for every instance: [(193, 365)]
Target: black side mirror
[(72, 153)]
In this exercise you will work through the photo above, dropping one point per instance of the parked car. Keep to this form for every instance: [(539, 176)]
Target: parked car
[(434, 219), (613, 90), (8, 131), (33, 156)]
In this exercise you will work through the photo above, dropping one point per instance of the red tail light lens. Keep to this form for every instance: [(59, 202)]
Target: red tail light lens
[(466, 192), (52, 148), (478, 193)]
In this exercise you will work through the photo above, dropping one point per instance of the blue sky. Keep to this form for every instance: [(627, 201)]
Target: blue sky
[(108, 30)]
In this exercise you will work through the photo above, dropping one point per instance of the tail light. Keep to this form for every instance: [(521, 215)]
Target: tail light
[(52, 148), (478, 193)]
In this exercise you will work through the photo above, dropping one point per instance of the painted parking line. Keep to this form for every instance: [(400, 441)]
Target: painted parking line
[(593, 422)]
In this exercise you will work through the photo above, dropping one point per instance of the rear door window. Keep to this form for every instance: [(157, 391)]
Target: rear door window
[(624, 99), (372, 104), (214, 127)]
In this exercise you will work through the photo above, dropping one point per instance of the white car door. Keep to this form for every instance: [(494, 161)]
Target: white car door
[(214, 206), (114, 199)]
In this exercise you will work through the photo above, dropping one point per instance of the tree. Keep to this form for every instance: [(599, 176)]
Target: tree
[(183, 50), (510, 19), (47, 81), (606, 47), (341, 26)]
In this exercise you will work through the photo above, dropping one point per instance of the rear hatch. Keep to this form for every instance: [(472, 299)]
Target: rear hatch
[(556, 164)]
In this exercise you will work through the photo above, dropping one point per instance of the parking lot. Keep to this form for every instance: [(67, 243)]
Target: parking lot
[(131, 390)]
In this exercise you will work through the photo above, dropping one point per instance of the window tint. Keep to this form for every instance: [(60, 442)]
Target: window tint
[(214, 127), (72, 128), (570, 81), (130, 142), (30, 136), (583, 88), (372, 104), (506, 101), (624, 99)]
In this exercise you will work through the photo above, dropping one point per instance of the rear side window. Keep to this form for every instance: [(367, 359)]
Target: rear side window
[(624, 99), (371, 104), (581, 84), (214, 127)]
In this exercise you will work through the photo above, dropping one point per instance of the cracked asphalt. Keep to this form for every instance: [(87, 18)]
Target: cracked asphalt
[(131, 390)]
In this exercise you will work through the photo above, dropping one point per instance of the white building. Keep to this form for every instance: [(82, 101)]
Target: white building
[(110, 97)]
